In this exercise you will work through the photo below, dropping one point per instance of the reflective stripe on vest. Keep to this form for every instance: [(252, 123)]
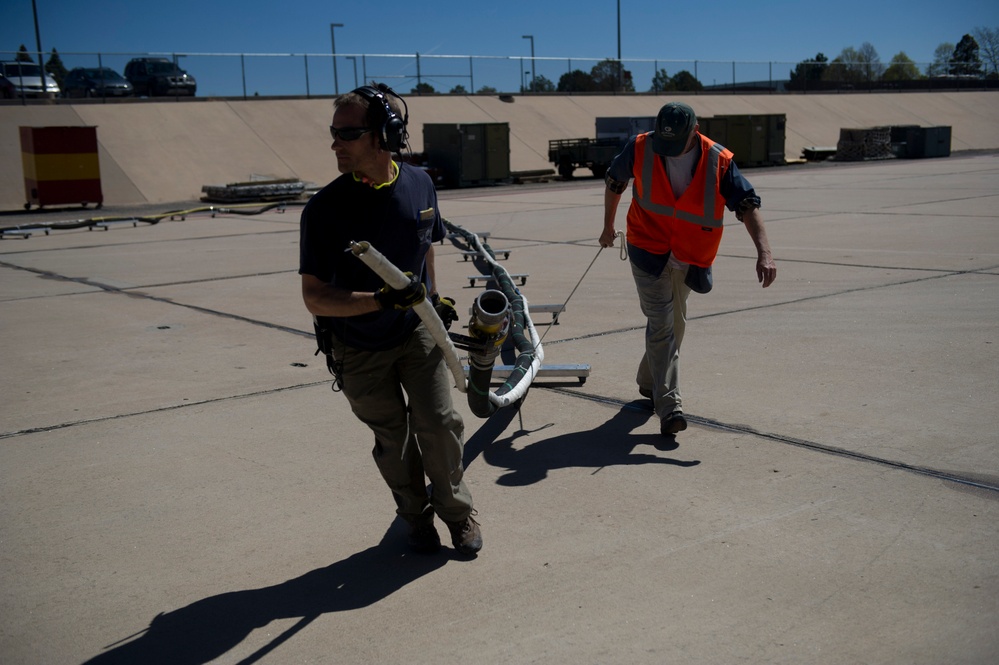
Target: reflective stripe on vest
[(710, 191)]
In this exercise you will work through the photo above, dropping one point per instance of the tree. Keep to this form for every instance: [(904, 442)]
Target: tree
[(855, 66), (487, 90), (541, 84), (988, 44), (965, 61), (55, 67), (661, 82), (423, 89), (869, 62), (610, 76), (941, 60), (809, 70), (902, 68), (844, 68), (684, 81), (23, 55), (576, 81), (459, 90), (605, 75)]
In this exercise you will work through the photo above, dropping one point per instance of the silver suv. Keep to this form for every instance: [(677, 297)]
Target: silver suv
[(29, 80)]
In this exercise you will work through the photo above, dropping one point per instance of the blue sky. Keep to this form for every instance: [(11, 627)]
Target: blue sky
[(672, 34)]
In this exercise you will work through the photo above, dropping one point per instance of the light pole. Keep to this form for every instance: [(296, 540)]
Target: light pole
[(38, 42), (354, 58), (336, 83), (619, 73), (531, 37), (618, 29)]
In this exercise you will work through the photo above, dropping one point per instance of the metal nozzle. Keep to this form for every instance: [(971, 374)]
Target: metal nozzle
[(489, 313)]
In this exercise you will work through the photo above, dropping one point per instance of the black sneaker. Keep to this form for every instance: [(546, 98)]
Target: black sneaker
[(673, 423), (645, 392), (465, 536), (423, 537)]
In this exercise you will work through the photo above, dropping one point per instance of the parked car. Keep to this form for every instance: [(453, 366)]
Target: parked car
[(95, 82), (7, 89), (158, 77), (29, 80)]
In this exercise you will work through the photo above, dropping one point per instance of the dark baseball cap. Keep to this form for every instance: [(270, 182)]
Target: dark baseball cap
[(673, 126)]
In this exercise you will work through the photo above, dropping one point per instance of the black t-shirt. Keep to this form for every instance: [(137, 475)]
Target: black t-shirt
[(400, 220)]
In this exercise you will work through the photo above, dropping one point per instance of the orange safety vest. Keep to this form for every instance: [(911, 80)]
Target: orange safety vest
[(691, 227)]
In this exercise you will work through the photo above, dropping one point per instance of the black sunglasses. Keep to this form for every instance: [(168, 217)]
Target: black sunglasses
[(348, 133)]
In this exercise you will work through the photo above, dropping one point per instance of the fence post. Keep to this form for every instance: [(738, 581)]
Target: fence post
[(242, 68), (104, 91), (308, 93), (176, 94)]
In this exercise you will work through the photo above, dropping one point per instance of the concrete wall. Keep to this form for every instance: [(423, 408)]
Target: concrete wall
[(164, 151)]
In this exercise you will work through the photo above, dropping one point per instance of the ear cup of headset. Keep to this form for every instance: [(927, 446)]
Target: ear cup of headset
[(392, 134)]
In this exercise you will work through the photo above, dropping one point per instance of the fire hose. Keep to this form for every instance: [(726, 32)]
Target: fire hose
[(494, 313)]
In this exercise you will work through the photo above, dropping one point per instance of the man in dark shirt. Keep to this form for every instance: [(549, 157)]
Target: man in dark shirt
[(391, 371)]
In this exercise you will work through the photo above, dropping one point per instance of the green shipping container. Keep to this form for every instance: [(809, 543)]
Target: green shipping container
[(756, 140), (927, 142), (468, 155)]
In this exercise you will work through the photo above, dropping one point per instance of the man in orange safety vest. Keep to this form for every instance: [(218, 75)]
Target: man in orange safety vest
[(683, 183)]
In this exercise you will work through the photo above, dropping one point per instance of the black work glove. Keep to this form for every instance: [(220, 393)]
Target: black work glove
[(412, 294), (445, 310)]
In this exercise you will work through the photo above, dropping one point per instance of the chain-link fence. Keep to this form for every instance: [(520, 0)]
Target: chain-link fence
[(245, 75)]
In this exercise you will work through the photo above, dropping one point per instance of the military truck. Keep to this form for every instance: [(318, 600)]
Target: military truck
[(596, 154), (756, 140)]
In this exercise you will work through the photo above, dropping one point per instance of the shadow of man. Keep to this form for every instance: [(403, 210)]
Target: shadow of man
[(208, 628), (609, 444)]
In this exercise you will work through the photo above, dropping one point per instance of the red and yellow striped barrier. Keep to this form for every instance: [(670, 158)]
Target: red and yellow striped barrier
[(60, 166)]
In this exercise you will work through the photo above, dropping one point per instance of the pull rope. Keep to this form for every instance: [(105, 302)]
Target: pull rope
[(624, 257)]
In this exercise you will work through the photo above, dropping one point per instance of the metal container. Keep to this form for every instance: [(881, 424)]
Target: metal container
[(927, 142), (467, 155), (756, 140), (624, 127)]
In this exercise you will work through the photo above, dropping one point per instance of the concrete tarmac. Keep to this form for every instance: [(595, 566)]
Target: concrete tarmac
[(178, 483)]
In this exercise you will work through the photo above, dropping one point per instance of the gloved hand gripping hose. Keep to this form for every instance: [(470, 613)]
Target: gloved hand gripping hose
[(397, 279)]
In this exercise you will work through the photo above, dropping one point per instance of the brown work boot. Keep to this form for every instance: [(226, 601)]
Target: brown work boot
[(465, 536), (423, 537), (673, 423)]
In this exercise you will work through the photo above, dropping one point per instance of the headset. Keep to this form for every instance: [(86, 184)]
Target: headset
[(392, 134)]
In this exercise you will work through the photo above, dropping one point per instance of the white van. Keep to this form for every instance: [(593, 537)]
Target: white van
[(28, 81)]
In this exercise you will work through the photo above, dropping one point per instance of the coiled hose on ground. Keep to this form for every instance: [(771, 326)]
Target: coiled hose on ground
[(525, 337)]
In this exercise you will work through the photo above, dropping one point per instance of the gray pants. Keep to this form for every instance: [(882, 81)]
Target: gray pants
[(423, 438), (664, 304)]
